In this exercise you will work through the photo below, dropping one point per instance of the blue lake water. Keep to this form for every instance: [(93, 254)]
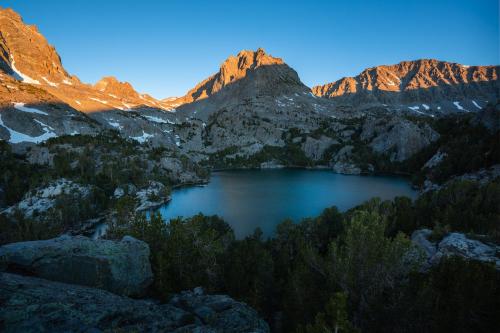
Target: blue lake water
[(248, 199)]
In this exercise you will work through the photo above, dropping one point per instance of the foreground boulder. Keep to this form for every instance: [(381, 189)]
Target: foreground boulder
[(121, 267), (455, 244), (30, 304)]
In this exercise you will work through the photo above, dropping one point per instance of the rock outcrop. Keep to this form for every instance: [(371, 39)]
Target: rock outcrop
[(37, 204), (482, 176), (455, 244), (341, 162), (30, 304), (398, 138), (315, 148), (154, 195), (120, 267)]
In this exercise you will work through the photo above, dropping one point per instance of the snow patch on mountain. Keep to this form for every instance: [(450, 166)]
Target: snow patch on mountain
[(460, 107), (17, 137), (20, 75), (43, 124), (20, 106), (98, 100), (157, 119), (143, 138), (50, 83), (115, 124)]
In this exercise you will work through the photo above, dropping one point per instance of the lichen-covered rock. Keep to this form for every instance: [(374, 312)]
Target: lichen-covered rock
[(121, 267), (32, 304)]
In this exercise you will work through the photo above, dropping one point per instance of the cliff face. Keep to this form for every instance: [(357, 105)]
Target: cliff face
[(26, 54)]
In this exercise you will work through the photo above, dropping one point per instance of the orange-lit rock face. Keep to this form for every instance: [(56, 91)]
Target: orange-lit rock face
[(25, 51), (27, 56), (232, 70), (112, 86), (445, 79)]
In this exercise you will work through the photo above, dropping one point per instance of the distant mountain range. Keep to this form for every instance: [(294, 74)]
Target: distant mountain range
[(250, 103), (441, 85)]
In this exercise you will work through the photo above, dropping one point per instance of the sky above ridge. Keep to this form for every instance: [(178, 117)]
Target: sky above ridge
[(164, 48)]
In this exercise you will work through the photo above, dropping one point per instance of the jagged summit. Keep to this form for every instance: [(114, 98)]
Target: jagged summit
[(425, 80), (111, 85), (26, 54), (247, 74), (235, 67), (40, 100), (27, 57)]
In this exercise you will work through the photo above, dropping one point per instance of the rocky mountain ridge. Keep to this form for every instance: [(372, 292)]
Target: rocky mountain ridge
[(253, 108), (420, 86), (31, 72)]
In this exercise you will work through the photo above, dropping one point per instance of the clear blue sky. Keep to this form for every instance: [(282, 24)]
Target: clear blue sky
[(166, 47)]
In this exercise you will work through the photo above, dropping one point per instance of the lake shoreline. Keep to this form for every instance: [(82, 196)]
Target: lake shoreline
[(313, 168), (257, 197)]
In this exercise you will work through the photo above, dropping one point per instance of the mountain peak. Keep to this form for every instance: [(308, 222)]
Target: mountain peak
[(249, 59), (265, 70), (26, 54), (235, 68), (10, 13), (111, 85)]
